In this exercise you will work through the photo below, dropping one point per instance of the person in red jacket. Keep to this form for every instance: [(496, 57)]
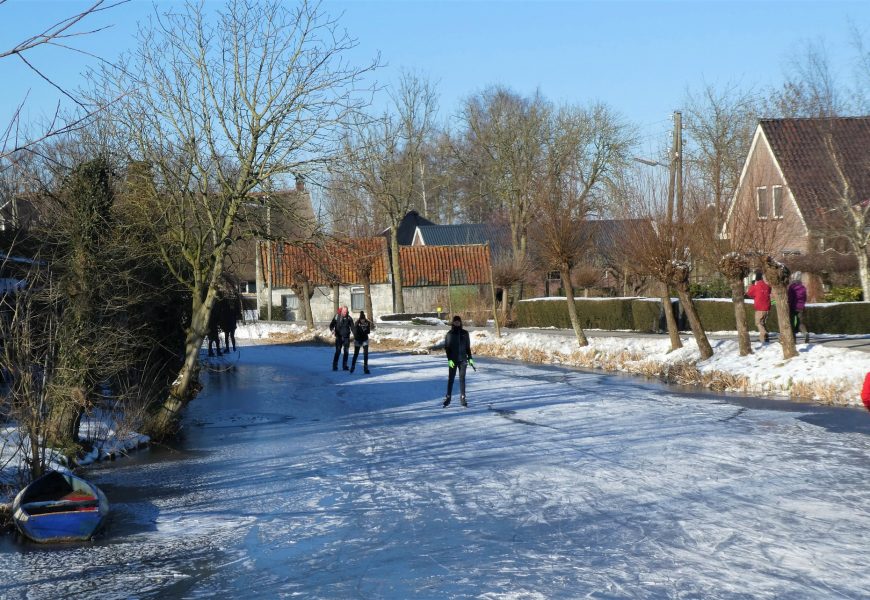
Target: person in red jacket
[(760, 293), (865, 393)]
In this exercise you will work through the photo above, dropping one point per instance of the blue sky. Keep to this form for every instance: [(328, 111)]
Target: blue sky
[(639, 57)]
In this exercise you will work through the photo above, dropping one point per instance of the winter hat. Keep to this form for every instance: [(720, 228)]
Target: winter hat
[(758, 276), (362, 314), (457, 320)]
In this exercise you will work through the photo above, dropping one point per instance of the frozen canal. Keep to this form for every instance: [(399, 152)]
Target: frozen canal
[(294, 481)]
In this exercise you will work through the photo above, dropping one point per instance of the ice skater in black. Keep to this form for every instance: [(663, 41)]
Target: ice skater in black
[(457, 345), (341, 326), (361, 338)]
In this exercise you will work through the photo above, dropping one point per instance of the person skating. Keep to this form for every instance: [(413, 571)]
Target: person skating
[(797, 300), (760, 293), (457, 345), (361, 331), (342, 326), (229, 314), (214, 336)]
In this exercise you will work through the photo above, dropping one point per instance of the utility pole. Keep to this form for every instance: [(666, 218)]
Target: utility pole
[(678, 160)]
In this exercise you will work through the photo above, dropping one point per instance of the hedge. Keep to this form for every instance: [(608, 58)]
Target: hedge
[(646, 315)]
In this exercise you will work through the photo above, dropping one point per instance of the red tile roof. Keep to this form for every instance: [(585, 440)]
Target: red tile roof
[(799, 147), (321, 263), (421, 265), (432, 265)]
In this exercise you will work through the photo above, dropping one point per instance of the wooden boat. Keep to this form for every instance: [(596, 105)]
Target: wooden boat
[(59, 507)]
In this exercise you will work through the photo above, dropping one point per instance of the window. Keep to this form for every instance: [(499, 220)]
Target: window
[(554, 275), (357, 299), (290, 301), (777, 202), (248, 287), (761, 202)]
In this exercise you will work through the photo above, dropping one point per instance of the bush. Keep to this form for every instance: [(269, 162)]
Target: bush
[(646, 315), (844, 294), (718, 288), (611, 313)]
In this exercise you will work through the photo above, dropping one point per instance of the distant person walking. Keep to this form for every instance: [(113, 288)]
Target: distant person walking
[(229, 314), (361, 331), (797, 300), (457, 345), (342, 326), (214, 336), (760, 294)]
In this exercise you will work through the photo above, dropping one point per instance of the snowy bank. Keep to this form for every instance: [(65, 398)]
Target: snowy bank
[(819, 373)]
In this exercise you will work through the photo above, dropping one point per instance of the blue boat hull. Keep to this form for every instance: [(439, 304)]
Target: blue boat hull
[(59, 507)]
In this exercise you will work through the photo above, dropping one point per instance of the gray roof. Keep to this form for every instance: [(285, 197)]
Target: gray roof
[(498, 237)]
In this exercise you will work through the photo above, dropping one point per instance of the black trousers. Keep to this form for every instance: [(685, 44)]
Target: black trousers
[(341, 342), (229, 334), (365, 355), (452, 375)]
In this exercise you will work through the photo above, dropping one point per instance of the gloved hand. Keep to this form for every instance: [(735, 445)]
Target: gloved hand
[(451, 363), (471, 361)]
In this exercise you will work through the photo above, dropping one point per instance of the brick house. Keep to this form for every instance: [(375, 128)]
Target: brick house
[(785, 203), (431, 275)]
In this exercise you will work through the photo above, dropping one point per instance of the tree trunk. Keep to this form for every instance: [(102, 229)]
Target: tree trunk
[(398, 297), (738, 292), (864, 272), (162, 423), (306, 302), (786, 333), (565, 274), (694, 321), (670, 320), (367, 293)]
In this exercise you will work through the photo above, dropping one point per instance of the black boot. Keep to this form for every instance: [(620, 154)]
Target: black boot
[(366, 371), (462, 400), (446, 402), (352, 367), (334, 367)]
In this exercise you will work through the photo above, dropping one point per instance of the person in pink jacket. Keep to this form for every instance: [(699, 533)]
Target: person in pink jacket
[(865, 393), (760, 294), (797, 301)]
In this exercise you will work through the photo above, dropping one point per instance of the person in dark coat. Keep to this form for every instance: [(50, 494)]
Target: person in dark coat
[(341, 326), (361, 331), (229, 315), (457, 345), (214, 336), (797, 301), (760, 294)]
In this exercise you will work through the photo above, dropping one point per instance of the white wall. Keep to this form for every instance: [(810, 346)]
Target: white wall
[(322, 302)]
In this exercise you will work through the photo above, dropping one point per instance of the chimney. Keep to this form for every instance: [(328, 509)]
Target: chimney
[(300, 183)]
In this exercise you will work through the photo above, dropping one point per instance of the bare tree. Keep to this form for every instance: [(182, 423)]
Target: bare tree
[(58, 34), (218, 108), (849, 216), (583, 148), (383, 160), (505, 134), (811, 87), (777, 275), (720, 123)]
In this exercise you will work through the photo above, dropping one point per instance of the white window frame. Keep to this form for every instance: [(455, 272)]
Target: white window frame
[(357, 296), (773, 211), (758, 205)]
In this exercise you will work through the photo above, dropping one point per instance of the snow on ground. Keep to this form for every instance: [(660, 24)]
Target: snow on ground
[(821, 373), (295, 481)]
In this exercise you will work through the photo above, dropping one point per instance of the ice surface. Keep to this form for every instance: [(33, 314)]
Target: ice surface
[(295, 481)]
